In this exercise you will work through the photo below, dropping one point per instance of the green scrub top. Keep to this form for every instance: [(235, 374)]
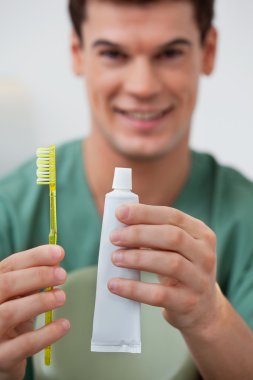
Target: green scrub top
[(219, 196)]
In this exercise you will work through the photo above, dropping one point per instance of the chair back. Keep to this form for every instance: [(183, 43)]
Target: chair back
[(164, 353)]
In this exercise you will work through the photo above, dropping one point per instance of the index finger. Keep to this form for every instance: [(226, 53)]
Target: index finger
[(40, 256), (163, 215)]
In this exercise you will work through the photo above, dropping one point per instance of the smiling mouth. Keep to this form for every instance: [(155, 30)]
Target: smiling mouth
[(144, 116)]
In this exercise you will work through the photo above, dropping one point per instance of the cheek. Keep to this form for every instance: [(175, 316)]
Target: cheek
[(102, 83), (102, 89), (185, 87)]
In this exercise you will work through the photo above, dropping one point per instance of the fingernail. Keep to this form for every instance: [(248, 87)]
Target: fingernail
[(115, 236), (57, 251), (122, 212), (65, 324), (112, 285), (60, 296), (117, 257), (60, 273)]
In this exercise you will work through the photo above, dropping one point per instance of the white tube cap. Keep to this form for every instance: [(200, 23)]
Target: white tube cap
[(122, 179)]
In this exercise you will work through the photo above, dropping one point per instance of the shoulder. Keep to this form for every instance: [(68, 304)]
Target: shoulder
[(230, 214), (231, 190), (22, 180), (16, 184), (231, 210), (21, 199), (17, 190)]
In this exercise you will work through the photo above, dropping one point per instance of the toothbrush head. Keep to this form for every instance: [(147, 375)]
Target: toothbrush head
[(46, 168)]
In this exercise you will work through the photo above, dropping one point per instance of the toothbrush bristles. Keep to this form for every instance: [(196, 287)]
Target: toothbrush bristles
[(46, 166)]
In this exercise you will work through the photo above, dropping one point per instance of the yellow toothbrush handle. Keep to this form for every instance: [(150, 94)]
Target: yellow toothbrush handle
[(48, 319), (46, 175), (52, 240)]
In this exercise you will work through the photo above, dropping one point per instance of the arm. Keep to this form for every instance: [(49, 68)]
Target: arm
[(182, 251), (22, 275), (224, 349)]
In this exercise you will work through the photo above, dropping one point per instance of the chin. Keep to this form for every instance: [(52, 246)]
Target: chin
[(145, 147), (138, 150)]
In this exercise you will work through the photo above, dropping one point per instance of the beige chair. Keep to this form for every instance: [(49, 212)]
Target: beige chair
[(164, 354)]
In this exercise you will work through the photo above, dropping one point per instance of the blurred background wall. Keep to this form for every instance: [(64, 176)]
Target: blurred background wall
[(42, 102)]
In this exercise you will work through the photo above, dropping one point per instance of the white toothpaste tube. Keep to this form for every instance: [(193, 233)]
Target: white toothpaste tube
[(116, 322)]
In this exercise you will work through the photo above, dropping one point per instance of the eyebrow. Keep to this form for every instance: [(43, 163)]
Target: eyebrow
[(166, 45), (102, 42), (176, 41)]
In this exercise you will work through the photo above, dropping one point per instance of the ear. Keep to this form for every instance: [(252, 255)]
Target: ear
[(209, 51), (77, 54)]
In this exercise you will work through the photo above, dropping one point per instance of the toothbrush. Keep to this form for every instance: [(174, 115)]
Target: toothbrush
[(46, 175)]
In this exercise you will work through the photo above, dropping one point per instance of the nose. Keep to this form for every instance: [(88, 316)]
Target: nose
[(142, 80)]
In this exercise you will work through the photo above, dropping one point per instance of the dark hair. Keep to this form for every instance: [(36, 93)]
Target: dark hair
[(204, 12)]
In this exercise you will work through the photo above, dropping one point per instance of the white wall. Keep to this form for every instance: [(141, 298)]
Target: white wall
[(224, 118), (50, 107)]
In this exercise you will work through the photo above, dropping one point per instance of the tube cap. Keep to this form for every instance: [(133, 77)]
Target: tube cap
[(122, 179)]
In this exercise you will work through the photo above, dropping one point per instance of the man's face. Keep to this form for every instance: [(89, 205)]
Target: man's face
[(142, 67)]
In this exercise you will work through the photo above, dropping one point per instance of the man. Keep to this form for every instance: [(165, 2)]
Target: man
[(141, 61)]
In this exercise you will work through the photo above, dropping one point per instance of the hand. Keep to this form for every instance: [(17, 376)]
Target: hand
[(22, 275), (181, 250)]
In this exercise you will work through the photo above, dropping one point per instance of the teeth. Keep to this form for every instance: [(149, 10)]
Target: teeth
[(144, 115)]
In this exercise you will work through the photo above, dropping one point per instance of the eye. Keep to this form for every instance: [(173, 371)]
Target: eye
[(170, 54), (112, 54)]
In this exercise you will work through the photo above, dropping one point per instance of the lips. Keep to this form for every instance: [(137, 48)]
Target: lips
[(143, 119), (143, 114), (138, 115)]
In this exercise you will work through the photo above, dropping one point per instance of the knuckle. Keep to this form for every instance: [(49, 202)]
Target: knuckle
[(176, 216), (142, 211), (34, 255), (27, 347), (132, 290), (210, 237), (176, 238), (135, 258), (41, 274), (134, 233), (52, 301), (7, 264), (175, 265), (209, 262), (46, 300), (133, 209), (159, 297), (6, 313), (201, 224), (5, 285)]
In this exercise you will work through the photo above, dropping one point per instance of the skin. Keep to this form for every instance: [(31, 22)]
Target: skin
[(139, 74), (126, 69), (21, 302), (181, 251)]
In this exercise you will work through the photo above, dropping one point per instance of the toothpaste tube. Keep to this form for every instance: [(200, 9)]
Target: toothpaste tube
[(116, 322)]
